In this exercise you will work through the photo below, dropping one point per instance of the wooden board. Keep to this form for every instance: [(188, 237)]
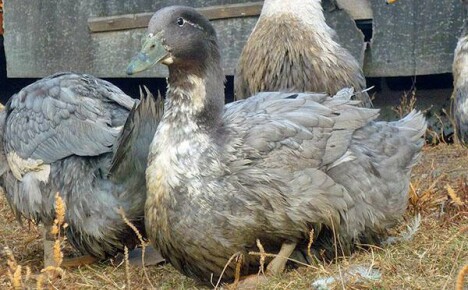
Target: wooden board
[(46, 41), (416, 37), (411, 37), (133, 21), (41, 41), (348, 35), (358, 9), (119, 22)]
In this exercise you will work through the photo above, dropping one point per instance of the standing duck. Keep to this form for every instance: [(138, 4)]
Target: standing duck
[(64, 134), (293, 49), (271, 167), (460, 81)]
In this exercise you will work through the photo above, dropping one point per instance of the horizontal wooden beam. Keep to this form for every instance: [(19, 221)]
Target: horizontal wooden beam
[(140, 20), (119, 22), (232, 10)]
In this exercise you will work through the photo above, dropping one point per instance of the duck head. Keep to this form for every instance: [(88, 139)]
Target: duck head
[(176, 36)]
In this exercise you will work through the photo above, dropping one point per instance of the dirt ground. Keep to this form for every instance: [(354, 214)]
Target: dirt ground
[(432, 259)]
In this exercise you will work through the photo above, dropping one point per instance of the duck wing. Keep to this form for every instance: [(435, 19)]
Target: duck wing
[(322, 160), (302, 130), (285, 142), (65, 114)]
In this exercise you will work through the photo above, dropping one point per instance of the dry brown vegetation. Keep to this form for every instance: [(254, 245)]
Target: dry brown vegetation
[(434, 259)]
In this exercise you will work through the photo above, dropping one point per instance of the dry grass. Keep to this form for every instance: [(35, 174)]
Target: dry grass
[(407, 103), (434, 259)]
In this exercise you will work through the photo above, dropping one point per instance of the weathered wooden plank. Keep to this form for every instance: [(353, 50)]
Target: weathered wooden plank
[(347, 33), (45, 41), (119, 22), (410, 37), (232, 10), (414, 37), (41, 41), (140, 20), (358, 9)]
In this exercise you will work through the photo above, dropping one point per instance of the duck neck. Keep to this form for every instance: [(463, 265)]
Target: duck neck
[(195, 95), (308, 11), (192, 113)]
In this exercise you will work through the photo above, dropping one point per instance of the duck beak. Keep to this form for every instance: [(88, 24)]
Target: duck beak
[(152, 52), (390, 1)]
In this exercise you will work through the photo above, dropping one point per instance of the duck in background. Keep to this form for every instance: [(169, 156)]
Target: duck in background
[(86, 139), (269, 168), (293, 49)]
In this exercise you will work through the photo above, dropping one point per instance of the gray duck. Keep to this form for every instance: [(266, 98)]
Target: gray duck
[(292, 48), (460, 81), (69, 133), (270, 167)]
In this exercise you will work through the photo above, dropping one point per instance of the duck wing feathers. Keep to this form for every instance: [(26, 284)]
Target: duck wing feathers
[(65, 114), (325, 159), (308, 126)]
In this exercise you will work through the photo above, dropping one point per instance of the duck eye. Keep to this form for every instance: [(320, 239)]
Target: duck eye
[(180, 21)]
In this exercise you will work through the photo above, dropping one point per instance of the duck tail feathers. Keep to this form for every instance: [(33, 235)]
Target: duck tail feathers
[(133, 144), (414, 126)]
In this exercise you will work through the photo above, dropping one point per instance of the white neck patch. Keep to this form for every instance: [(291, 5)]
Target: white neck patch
[(309, 11)]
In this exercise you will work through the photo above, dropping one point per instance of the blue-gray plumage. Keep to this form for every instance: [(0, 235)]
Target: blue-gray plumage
[(69, 133), (270, 167), (460, 81)]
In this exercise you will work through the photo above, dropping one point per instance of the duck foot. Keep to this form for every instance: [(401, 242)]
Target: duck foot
[(249, 282), (275, 267), (50, 261), (152, 257), (78, 261)]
